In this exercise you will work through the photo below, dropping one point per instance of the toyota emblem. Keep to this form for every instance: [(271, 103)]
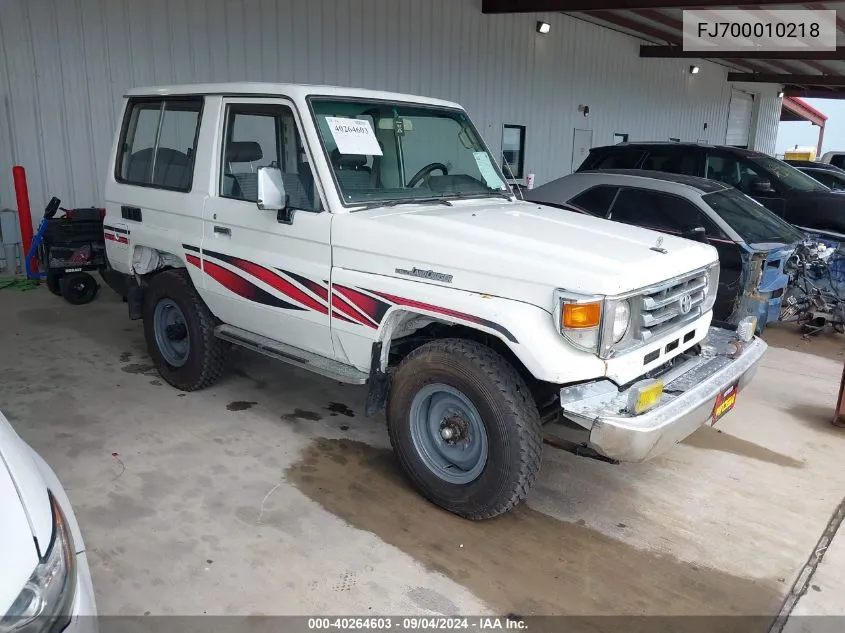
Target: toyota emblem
[(685, 304)]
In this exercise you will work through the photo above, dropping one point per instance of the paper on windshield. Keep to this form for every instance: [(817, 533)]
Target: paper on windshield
[(488, 172), (353, 136)]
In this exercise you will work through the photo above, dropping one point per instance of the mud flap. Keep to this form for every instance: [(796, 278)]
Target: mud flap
[(135, 300), (379, 384)]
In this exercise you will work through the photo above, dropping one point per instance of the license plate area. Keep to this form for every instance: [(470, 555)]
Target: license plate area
[(725, 402)]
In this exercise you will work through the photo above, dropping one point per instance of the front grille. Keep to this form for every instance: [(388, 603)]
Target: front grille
[(666, 306)]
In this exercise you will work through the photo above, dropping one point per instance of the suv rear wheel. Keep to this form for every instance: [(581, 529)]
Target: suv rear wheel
[(464, 427), (179, 330)]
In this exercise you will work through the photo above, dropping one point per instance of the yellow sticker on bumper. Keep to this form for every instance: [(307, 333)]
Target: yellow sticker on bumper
[(648, 398)]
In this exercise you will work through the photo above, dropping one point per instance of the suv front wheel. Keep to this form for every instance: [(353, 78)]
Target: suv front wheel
[(179, 330), (464, 427)]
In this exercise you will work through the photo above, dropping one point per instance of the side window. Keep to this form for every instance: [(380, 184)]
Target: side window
[(158, 143), (596, 200), (619, 159), (265, 136), (671, 160), (826, 179), (657, 210), (838, 160), (731, 171)]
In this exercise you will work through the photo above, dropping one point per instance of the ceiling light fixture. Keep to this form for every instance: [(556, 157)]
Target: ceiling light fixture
[(694, 70), (543, 27)]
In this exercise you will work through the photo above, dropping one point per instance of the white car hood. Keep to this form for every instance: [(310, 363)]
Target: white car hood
[(485, 242), (25, 515)]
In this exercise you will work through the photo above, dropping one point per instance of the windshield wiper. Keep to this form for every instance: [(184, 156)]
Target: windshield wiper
[(481, 194), (393, 203)]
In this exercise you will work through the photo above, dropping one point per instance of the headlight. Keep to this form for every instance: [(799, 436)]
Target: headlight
[(45, 603), (579, 319), (621, 319), (712, 288)]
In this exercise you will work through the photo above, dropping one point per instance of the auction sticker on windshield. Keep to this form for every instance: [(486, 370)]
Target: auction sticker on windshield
[(488, 172), (353, 136)]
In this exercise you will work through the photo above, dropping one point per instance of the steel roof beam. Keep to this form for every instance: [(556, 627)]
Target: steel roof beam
[(532, 6), (677, 52)]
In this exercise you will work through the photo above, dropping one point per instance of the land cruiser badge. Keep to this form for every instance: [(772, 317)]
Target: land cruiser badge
[(425, 274)]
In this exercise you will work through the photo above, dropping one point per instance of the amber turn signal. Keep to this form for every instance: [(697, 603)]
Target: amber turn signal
[(580, 315)]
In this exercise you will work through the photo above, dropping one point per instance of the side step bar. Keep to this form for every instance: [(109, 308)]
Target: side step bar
[(291, 355)]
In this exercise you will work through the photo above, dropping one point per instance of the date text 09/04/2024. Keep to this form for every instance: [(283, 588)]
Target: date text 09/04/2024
[(417, 623)]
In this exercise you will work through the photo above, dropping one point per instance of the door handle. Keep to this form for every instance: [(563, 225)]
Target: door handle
[(222, 230)]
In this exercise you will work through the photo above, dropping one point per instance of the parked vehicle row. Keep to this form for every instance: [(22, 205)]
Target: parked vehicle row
[(792, 195), (830, 176), (376, 241)]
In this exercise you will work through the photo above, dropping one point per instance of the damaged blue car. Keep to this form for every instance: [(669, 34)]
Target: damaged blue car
[(753, 243)]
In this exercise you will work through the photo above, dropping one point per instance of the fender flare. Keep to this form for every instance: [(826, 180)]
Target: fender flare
[(401, 320)]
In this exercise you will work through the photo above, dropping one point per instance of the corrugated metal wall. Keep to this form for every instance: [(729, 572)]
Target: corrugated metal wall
[(64, 65)]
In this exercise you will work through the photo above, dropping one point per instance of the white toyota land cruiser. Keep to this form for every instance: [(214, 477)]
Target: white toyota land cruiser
[(370, 237)]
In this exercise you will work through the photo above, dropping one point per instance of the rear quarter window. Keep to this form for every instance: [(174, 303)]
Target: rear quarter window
[(158, 143)]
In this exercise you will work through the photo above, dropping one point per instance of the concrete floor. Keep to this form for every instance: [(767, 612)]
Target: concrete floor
[(271, 493)]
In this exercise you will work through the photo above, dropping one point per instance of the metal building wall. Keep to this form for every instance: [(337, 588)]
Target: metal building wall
[(64, 65)]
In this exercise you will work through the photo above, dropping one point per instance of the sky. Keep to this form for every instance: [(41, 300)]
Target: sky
[(805, 134)]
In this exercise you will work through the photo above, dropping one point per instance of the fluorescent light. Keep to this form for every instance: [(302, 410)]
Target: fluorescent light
[(694, 70), (543, 27)]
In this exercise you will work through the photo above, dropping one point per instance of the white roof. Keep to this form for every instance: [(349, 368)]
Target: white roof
[(292, 91)]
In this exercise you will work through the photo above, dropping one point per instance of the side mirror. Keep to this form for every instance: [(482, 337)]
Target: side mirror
[(271, 189), (272, 196), (761, 185)]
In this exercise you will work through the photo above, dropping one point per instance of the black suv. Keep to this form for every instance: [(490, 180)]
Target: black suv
[(793, 195)]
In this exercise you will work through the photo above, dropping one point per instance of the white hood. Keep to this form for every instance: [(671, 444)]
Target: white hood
[(24, 515), (518, 250)]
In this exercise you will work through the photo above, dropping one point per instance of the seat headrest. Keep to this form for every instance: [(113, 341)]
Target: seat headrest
[(243, 152), (348, 161)]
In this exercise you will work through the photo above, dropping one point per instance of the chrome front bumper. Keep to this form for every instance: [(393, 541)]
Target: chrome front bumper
[(689, 396)]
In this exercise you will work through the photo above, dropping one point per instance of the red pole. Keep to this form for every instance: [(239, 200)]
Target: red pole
[(24, 211)]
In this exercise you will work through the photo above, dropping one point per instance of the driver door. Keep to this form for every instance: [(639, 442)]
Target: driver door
[(262, 274)]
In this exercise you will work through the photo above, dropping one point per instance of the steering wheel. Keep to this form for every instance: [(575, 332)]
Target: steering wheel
[(425, 173)]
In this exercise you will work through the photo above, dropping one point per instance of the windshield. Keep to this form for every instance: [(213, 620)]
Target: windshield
[(753, 222), (788, 176), (395, 151)]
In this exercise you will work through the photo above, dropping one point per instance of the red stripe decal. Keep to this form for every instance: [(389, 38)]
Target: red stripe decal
[(340, 317), (282, 285), (338, 303), (427, 306), (227, 278), (116, 238), (373, 308), (313, 286), (193, 259)]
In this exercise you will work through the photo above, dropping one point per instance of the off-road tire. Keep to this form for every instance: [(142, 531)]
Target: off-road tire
[(508, 412), (78, 288), (52, 283), (206, 360)]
